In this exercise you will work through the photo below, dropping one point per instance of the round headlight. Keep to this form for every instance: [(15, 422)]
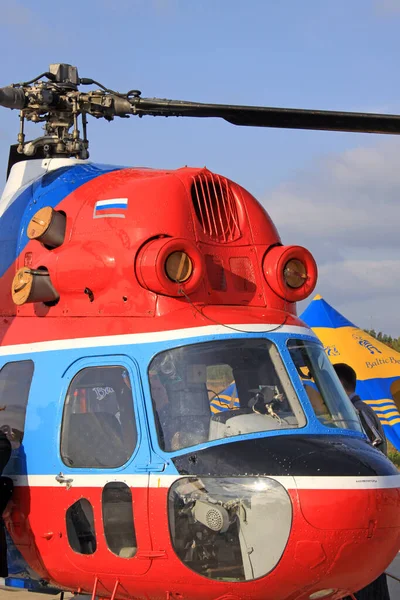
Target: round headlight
[(295, 273), (170, 266), (290, 271), (178, 267)]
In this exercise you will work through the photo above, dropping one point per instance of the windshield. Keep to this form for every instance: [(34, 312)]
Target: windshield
[(221, 389), (325, 392)]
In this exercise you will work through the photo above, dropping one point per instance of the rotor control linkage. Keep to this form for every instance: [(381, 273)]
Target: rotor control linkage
[(53, 98)]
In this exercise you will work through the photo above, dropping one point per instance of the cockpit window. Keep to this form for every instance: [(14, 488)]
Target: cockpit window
[(221, 389), (327, 396)]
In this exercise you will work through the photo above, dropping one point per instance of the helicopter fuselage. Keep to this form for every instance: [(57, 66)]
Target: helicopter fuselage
[(178, 432)]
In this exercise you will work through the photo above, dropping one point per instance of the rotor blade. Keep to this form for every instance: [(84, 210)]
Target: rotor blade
[(285, 118)]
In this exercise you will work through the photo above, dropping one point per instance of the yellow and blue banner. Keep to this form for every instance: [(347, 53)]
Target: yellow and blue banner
[(377, 366)]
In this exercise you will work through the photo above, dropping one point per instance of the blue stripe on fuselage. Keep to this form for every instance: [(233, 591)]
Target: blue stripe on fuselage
[(49, 190), (54, 369)]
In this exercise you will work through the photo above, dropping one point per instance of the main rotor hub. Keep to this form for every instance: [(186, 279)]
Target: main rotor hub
[(58, 104)]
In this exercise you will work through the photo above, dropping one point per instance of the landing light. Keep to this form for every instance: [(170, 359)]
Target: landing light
[(295, 273), (178, 267), (170, 266), (290, 271)]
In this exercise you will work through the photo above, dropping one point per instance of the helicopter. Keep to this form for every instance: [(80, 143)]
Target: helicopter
[(133, 301)]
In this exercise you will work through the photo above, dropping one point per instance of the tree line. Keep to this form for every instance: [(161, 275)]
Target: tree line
[(390, 341)]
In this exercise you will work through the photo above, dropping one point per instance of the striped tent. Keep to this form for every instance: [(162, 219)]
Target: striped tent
[(377, 366)]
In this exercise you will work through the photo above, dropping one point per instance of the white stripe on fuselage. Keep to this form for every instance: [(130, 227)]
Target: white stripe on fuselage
[(24, 173), (156, 336), (155, 480)]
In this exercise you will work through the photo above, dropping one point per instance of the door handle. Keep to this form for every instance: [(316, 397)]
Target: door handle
[(62, 479)]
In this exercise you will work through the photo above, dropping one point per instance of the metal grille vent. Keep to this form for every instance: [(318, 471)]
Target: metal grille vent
[(215, 207)]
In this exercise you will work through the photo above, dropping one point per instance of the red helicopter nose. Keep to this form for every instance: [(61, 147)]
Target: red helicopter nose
[(355, 522), (324, 525), (339, 533)]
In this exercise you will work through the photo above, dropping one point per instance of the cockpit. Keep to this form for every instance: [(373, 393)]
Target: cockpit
[(225, 388)]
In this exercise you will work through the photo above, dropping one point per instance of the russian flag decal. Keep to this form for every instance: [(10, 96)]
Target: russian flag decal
[(115, 207)]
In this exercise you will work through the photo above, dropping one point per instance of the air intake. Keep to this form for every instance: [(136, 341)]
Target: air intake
[(215, 207)]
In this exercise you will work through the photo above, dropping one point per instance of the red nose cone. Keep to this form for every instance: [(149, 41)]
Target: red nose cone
[(355, 523)]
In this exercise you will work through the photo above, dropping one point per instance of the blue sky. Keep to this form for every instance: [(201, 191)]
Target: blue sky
[(308, 54)]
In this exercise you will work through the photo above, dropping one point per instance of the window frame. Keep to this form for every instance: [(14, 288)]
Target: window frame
[(92, 524), (299, 386), (109, 360), (17, 444), (105, 523), (299, 412)]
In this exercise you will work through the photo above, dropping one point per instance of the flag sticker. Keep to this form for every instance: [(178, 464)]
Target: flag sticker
[(115, 207)]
